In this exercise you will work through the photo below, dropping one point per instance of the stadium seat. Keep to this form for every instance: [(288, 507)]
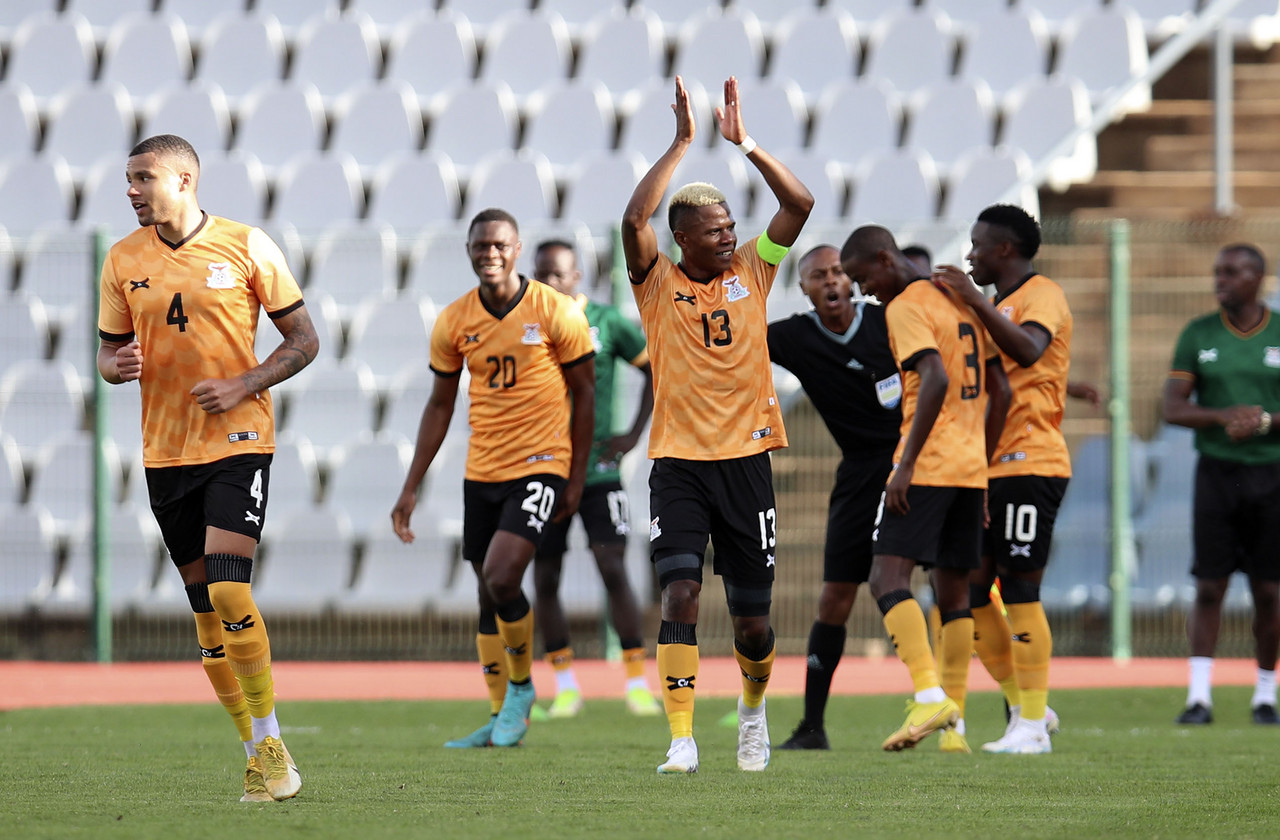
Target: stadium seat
[(295, 477), (234, 186), (133, 558), (1040, 115), (337, 55), (52, 54), (88, 124), (522, 183), (305, 563), (953, 116), (623, 50), (104, 15), (389, 333), (826, 181), (440, 267), (19, 122), (673, 14), (1163, 536), (1162, 19), (966, 15), (770, 13), (362, 483), (438, 525), (715, 45), (569, 123), (474, 121), (396, 577), (62, 480), (24, 329), (815, 48), (238, 53), (894, 187), (315, 191), (1056, 13), (389, 16), (433, 54), (375, 122), (78, 343), (58, 268), (352, 262), (1256, 22), (199, 15), (483, 15), (776, 114), (146, 54), (279, 121), (196, 111), (16, 12), (910, 50), (650, 127), (578, 15), (867, 12), (104, 203), (1105, 49), (28, 558), (408, 396), (13, 482), (602, 188), (1005, 51), (854, 117), (413, 191), (123, 405), (294, 15), (986, 176), (332, 406), (527, 52)]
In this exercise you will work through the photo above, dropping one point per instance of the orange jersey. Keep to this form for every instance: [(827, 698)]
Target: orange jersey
[(708, 344), (1032, 441), (519, 400), (924, 319), (194, 309)]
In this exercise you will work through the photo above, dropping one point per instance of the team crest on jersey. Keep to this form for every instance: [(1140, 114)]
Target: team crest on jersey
[(889, 391), (1007, 311), (1271, 357), (532, 334), (1209, 355), (735, 290), (220, 276), (595, 339)]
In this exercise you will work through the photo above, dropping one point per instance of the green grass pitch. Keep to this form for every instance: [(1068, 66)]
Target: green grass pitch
[(1120, 768)]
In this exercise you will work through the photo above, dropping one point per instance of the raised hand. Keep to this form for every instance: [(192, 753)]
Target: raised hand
[(685, 127), (730, 116)]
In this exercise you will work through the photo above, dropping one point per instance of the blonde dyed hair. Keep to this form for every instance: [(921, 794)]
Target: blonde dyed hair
[(691, 196)]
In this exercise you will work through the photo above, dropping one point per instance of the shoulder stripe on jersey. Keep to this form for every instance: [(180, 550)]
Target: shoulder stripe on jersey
[(911, 362), (280, 313), (589, 355)]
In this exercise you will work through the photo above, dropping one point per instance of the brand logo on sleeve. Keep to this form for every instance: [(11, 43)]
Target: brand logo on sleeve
[(134, 285)]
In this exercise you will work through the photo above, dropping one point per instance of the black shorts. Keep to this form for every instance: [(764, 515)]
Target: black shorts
[(1023, 510), (230, 494), (606, 515), (851, 516), (730, 501), (1236, 523), (522, 506), (943, 527)]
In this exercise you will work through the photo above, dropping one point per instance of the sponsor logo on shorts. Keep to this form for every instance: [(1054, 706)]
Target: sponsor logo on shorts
[(250, 517), (1019, 550), (535, 523)]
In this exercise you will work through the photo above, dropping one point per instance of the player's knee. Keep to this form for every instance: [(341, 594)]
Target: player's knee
[(674, 567)]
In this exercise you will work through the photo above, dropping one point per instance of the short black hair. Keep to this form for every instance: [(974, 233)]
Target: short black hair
[(866, 242), (492, 214), (168, 145), (913, 251), (1253, 252), (548, 244), (1023, 230)]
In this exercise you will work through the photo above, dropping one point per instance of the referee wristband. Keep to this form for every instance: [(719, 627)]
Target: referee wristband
[(748, 145), (1264, 425)]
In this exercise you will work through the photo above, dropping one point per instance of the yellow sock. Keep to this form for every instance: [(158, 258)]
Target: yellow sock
[(216, 668), (991, 640), (493, 660), (248, 649), (517, 637), (1032, 648), (953, 664), (633, 661), (560, 660), (678, 667), (935, 630), (906, 627), (755, 676)]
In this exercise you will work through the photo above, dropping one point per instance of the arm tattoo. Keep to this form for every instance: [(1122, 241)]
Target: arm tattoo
[(298, 350)]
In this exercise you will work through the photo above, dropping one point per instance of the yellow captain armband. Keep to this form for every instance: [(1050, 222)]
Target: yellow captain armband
[(770, 251)]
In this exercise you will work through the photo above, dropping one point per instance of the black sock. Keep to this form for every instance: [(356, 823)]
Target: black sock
[(826, 645)]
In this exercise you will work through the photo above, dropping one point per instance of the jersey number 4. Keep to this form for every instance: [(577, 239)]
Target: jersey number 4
[(175, 316)]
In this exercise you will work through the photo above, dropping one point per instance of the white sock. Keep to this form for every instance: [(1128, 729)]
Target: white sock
[(960, 726), (566, 681), (265, 727), (637, 682), (1264, 688), (249, 751), (1201, 682), (931, 695)]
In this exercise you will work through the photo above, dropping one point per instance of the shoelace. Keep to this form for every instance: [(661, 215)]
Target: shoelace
[(271, 755), (753, 734)]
